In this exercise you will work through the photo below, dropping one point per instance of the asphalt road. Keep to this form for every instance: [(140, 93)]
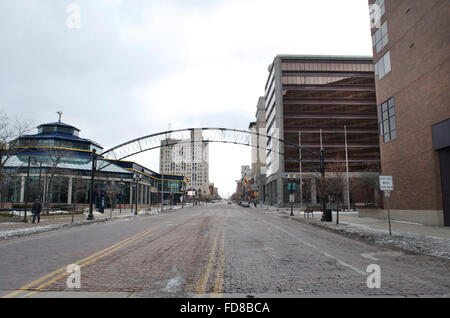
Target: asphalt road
[(214, 250)]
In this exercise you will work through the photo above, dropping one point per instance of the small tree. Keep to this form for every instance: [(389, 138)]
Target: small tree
[(335, 185), (78, 187), (54, 158)]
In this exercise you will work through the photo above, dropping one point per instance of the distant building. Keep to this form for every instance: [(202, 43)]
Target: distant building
[(314, 101), (258, 128), (411, 48), (186, 158)]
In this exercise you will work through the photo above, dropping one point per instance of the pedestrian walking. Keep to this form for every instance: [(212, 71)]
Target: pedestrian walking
[(37, 208)]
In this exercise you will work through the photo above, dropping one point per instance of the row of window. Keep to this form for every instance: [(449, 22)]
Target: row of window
[(340, 67), (53, 143), (61, 129), (301, 80)]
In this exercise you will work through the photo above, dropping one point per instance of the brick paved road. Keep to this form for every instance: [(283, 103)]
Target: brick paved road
[(212, 250)]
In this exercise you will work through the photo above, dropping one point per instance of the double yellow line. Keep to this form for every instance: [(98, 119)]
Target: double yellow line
[(60, 273), (200, 287)]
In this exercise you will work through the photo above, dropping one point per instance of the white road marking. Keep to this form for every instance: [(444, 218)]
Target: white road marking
[(372, 257), (316, 248)]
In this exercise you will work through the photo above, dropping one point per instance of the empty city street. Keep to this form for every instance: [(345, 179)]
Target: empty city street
[(210, 250)]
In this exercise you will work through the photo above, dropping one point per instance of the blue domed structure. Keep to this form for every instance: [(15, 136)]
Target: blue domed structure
[(57, 164)]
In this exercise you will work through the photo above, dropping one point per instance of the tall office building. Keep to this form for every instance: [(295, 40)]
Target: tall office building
[(258, 128), (187, 157), (411, 53), (316, 101)]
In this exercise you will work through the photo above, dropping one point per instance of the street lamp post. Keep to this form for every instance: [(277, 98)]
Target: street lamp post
[(91, 192), (28, 190), (136, 177), (120, 196), (162, 192)]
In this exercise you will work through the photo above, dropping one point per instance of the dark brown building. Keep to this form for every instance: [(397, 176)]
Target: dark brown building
[(316, 101), (411, 54)]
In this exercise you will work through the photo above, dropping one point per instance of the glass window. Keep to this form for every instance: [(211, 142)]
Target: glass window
[(387, 62), (383, 65), (391, 112), (387, 124), (393, 134), (380, 68), (391, 102), (380, 38), (392, 125)]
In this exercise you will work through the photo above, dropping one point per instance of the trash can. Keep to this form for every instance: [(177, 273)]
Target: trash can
[(327, 216)]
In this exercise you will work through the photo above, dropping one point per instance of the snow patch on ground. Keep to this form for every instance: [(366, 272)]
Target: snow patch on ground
[(416, 243), (7, 234)]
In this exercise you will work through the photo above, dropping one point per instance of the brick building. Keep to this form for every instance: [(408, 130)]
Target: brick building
[(411, 55)]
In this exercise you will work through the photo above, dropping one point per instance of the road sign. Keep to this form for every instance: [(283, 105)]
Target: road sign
[(291, 198), (291, 186), (386, 183), (387, 194)]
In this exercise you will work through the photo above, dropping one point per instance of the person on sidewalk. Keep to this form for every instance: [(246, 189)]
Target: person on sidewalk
[(37, 208)]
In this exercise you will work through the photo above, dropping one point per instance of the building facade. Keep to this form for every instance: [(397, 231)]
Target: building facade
[(319, 102), (189, 158), (411, 54)]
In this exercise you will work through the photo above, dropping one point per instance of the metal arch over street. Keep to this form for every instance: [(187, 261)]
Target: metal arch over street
[(188, 135), (208, 134)]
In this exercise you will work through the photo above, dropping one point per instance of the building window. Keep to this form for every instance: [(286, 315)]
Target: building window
[(380, 3), (386, 120), (380, 38), (383, 66)]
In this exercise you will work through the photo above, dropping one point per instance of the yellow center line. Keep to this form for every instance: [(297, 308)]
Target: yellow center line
[(203, 281), (221, 264), (99, 253), (201, 285)]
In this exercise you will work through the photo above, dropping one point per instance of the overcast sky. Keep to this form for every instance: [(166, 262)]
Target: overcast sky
[(134, 66)]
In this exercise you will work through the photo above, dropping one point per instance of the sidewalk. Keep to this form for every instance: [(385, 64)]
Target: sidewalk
[(412, 237), (11, 227)]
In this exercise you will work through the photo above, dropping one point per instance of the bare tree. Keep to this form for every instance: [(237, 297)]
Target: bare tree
[(54, 158), (111, 190), (78, 187), (334, 186), (9, 132)]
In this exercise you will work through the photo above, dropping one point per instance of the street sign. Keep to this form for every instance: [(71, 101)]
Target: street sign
[(254, 187), (387, 194), (291, 198), (386, 183), (291, 186)]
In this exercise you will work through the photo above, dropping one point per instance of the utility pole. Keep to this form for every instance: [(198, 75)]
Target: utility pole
[(346, 168), (28, 191), (301, 179), (91, 192)]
